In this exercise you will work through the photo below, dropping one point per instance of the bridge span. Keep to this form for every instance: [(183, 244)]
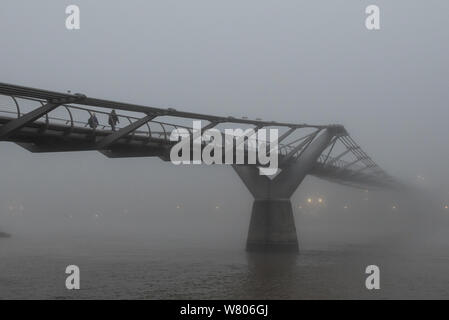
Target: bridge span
[(46, 121)]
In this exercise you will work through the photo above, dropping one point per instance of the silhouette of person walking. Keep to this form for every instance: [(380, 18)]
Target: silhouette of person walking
[(93, 121), (113, 119)]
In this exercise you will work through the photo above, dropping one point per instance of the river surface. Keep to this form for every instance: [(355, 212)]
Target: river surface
[(120, 267)]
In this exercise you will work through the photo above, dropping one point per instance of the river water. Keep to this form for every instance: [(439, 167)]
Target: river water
[(121, 267)]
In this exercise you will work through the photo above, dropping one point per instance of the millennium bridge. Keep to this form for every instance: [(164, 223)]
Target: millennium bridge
[(47, 121)]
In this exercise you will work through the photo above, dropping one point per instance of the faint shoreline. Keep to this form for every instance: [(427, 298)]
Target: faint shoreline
[(4, 235)]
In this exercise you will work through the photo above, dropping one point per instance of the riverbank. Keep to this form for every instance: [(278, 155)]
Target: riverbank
[(4, 235)]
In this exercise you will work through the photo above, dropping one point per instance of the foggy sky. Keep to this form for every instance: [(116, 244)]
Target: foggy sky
[(296, 61)]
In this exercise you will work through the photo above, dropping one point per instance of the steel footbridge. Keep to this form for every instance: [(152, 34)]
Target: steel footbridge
[(45, 121)]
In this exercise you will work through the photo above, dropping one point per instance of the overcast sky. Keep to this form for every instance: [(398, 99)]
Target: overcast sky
[(296, 61)]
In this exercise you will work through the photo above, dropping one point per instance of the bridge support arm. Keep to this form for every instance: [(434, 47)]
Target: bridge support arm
[(257, 184), (110, 139), (15, 125), (291, 176)]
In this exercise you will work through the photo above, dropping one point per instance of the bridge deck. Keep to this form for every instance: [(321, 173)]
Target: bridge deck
[(57, 122)]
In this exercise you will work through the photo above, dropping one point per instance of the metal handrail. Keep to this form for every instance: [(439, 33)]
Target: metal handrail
[(164, 133)]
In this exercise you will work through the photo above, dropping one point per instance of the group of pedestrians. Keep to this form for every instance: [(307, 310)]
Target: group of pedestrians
[(112, 120)]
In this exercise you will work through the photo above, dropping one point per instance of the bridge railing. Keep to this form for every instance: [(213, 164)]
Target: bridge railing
[(77, 116), (336, 163)]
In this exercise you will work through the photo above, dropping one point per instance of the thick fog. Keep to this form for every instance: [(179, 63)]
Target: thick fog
[(295, 61)]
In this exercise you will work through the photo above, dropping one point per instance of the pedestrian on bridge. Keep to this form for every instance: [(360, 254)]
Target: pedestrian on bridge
[(93, 121), (113, 119)]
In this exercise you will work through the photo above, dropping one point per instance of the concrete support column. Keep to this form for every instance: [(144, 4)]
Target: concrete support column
[(272, 226)]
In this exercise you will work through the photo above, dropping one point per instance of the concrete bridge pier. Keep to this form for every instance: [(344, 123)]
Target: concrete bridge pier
[(272, 225)]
